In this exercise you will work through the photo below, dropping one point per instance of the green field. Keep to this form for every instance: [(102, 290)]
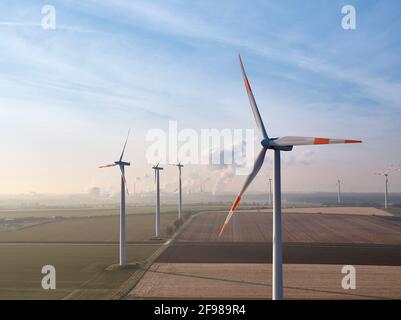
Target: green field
[(80, 270), (79, 212), (139, 227), (79, 248)]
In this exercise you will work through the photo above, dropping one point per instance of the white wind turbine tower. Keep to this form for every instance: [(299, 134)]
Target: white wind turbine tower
[(385, 175), (179, 166), (122, 164), (277, 145), (339, 191), (157, 169), (270, 191)]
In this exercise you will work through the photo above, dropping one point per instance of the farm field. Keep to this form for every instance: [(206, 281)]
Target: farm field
[(83, 248), (108, 211), (198, 264), (253, 281), (80, 249), (140, 227), (297, 228), (364, 211), (80, 270)]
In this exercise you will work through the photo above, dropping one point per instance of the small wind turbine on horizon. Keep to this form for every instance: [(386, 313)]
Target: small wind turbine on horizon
[(179, 166), (157, 169), (122, 164), (339, 191), (385, 174), (277, 145)]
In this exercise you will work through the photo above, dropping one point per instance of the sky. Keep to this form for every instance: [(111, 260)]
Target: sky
[(69, 95)]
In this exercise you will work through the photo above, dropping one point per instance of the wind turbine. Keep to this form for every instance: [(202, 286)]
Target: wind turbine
[(277, 145), (122, 164), (180, 166), (157, 181), (385, 175), (339, 191)]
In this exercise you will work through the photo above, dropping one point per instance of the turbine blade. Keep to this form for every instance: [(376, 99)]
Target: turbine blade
[(301, 141), (108, 165), (125, 144), (125, 184), (125, 181), (252, 101), (256, 167)]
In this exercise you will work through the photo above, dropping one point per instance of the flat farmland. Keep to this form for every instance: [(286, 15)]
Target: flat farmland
[(253, 281), (140, 227), (97, 212), (307, 238), (251, 227), (199, 265), (364, 211), (80, 270)]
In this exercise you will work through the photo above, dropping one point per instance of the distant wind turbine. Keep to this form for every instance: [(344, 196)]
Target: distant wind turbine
[(180, 166), (339, 191), (277, 145), (157, 181), (385, 174), (122, 164)]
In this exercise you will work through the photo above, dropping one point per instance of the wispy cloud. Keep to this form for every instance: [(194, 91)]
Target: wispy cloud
[(114, 63), (176, 20)]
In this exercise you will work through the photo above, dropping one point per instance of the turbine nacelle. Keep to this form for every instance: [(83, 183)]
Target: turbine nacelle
[(122, 163), (270, 144)]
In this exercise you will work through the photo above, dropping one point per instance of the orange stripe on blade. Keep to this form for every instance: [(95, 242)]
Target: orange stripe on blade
[(352, 141), (236, 203), (247, 86), (321, 141), (233, 207)]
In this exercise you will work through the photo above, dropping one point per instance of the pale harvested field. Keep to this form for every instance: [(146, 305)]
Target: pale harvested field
[(254, 227), (253, 281), (359, 211), (364, 211), (95, 229)]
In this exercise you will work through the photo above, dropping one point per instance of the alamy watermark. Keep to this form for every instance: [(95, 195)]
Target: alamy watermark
[(49, 19), (49, 280), (349, 280), (348, 22), (207, 146)]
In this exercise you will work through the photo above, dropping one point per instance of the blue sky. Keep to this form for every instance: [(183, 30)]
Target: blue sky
[(68, 96)]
